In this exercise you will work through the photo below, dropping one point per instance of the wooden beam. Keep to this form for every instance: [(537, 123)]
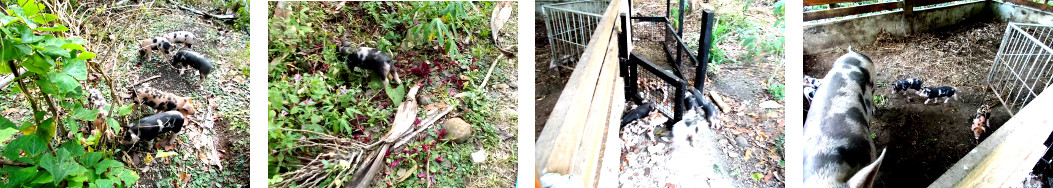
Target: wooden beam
[(847, 11), (918, 3), (553, 156), (1008, 155), (1032, 4), (611, 150), (823, 2), (596, 122)]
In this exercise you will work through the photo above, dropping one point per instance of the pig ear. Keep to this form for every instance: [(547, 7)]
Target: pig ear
[(865, 177)]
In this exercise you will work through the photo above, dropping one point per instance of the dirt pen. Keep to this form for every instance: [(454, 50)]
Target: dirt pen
[(953, 44)]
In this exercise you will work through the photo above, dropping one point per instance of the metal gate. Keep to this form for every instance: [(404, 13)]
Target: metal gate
[(570, 25), (1022, 67)]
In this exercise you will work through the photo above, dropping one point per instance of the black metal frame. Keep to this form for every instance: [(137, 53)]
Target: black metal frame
[(630, 61)]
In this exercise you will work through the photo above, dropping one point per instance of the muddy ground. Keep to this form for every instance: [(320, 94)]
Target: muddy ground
[(923, 141)]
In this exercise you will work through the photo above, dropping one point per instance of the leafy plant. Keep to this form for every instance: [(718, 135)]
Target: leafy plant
[(777, 90), (54, 67)]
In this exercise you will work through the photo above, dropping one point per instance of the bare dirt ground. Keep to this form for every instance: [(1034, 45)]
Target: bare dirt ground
[(923, 140), (746, 152)]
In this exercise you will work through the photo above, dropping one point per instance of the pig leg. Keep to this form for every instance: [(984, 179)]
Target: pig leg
[(396, 75), (927, 100), (202, 80)]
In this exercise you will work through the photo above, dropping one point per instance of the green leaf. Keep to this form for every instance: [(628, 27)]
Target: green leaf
[(38, 64), (61, 166), (163, 153), (31, 7), (21, 13), (46, 86), (396, 94), (85, 114), (76, 68), (64, 82), (46, 129), (14, 50), (43, 19), (73, 46), (86, 56), (114, 126), (43, 178), (74, 148), (5, 19), (6, 133), (31, 145), (28, 37), (91, 159), (125, 110), (21, 176), (72, 125), (55, 51), (6, 123), (103, 183), (106, 164), (128, 177)]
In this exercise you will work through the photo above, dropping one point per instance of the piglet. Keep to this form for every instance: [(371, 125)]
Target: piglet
[(160, 100), (183, 59), (838, 149), (937, 93), (181, 37), (152, 126), (903, 85), (981, 121), (369, 59), (158, 44)]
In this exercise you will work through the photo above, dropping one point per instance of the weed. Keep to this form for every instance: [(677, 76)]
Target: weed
[(777, 90), (880, 100)]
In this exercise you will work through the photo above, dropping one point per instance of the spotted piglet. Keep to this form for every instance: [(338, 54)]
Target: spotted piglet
[(161, 101), (838, 148), (153, 126), (369, 59), (945, 92), (183, 59), (903, 85), (981, 121), (181, 37), (156, 44)]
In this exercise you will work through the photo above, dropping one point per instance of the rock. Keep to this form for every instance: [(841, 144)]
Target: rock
[(423, 99), (459, 130), (741, 141), (502, 86), (509, 112), (723, 142), (479, 156)]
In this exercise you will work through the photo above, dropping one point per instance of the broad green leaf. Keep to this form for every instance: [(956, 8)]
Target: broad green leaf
[(55, 51), (46, 129), (77, 40), (103, 183), (5, 19), (396, 94), (124, 110), (61, 165), (76, 68), (85, 114), (74, 148), (22, 176), (6, 123), (56, 28), (28, 128), (6, 133), (31, 7), (43, 178), (43, 19), (86, 56), (14, 50), (28, 37), (72, 125), (106, 164), (38, 64), (31, 145), (64, 82), (46, 86), (21, 13), (128, 177), (114, 126), (91, 159), (73, 46)]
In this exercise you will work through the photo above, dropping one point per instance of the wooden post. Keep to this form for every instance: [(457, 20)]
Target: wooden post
[(908, 15), (703, 50)]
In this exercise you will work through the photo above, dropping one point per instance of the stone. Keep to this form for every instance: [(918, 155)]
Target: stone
[(502, 86), (741, 141), (459, 131), (423, 99), (479, 156)]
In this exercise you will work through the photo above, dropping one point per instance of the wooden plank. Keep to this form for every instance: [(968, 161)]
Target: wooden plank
[(918, 3), (1008, 155), (847, 11), (823, 2), (596, 120), (1032, 4), (611, 150), (553, 156)]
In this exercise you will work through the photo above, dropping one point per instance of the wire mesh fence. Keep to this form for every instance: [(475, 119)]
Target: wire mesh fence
[(570, 25), (1022, 67)]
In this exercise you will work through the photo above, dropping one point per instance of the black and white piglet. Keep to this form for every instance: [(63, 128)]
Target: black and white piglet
[(838, 149), (637, 113), (938, 92), (152, 126), (183, 59), (369, 59), (903, 85), (156, 44), (182, 37)]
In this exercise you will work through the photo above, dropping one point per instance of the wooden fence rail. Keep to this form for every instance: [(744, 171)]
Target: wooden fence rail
[(835, 12)]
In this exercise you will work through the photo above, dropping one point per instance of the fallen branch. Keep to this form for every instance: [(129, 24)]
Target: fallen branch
[(364, 177), (491, 71), (13, 163), (424, 126), (195, 11), (720, 101)]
